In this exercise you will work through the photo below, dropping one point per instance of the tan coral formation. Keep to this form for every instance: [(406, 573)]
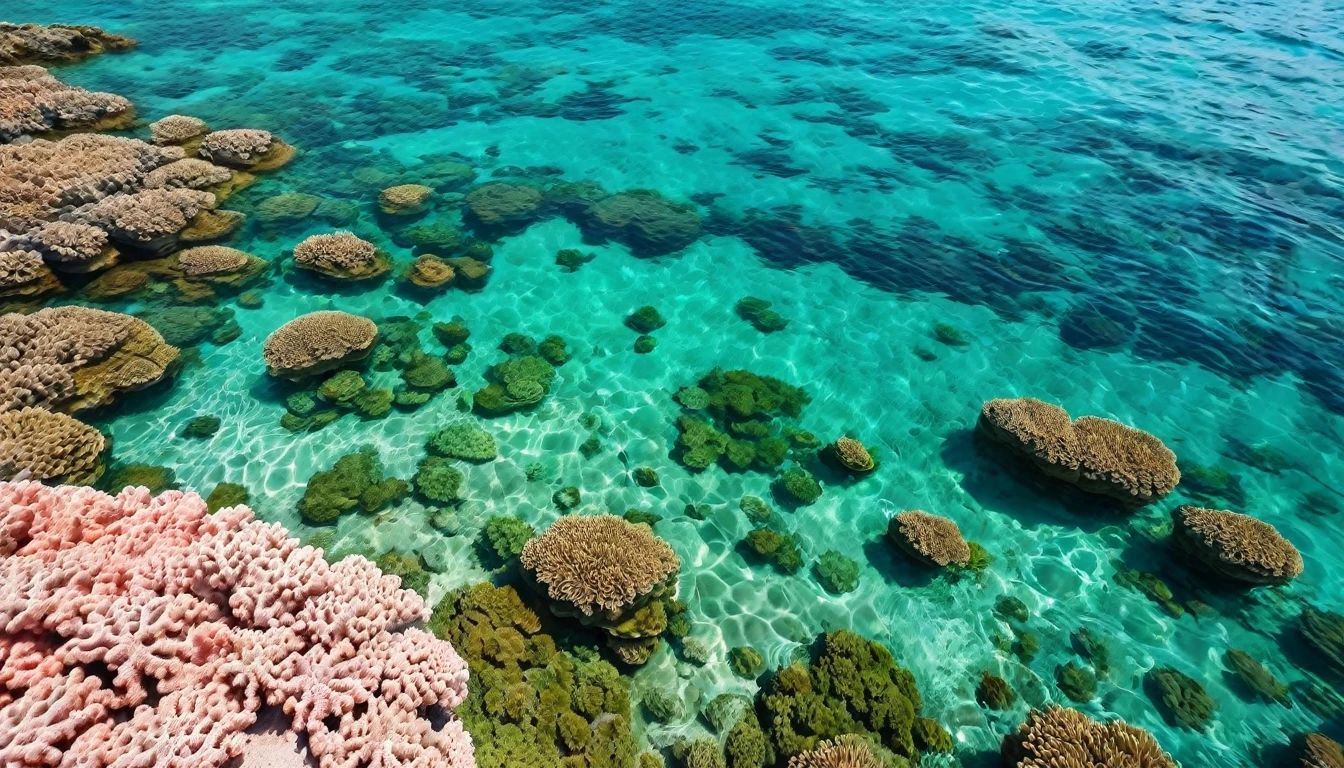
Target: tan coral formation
[(23, 272), (1317, 751), (930, 539), (429, 271), (1236, 546), (245, 148), (32, 101), (25, 43), (318, 342), (50, 446), (152, 219), (847, 751), (207, 260), (177, 129), (1097, 455), (853, 455), (404, 199), (342, 256), (1066, 738), (188, 173), (102, 354), (72, 247), (599, 564)]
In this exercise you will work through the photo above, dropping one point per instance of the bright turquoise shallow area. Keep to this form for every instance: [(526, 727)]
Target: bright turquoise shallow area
[(1132, 209)]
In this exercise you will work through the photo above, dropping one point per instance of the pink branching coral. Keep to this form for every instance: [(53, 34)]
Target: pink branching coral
[(1056, 737), (177, 129), (143, 630), (848, 751), (1097, 455), (1236, 546), (340, 255), (931, 539), (236, 147), (318, 342), (48, 446), (103, 354), (600, 563), (188, 173)]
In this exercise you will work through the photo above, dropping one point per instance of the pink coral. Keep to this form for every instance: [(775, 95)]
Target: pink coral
[(198, 621)]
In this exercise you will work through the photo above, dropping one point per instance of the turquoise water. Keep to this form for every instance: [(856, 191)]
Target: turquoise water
[(1132, 210)]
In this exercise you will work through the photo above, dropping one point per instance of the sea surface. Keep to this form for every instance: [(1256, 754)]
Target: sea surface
[(1135, 210)]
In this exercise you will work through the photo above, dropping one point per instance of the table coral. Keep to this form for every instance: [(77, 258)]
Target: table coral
[(146, 630)]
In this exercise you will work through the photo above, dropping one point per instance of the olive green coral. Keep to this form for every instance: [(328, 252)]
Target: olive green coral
[(355, 481), (1182, 698), (463, 441)]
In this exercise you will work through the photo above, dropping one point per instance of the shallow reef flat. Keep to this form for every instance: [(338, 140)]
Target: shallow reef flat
[(989, 350)]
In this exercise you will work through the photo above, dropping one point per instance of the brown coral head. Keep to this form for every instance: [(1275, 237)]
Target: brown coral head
[(317, 342), (236, 147), (404, 199), (177, 129), (1317, 751), (50, 446), (930, 539), (847, 751), (1056, 737), (1236, 546), (1030, 426), (212, 260), (339, 254), (599, 563), (430, 271), (1123, 462), (853, 455)]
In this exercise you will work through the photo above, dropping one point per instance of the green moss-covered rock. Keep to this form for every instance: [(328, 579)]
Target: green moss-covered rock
[(552, 349), (1256, 677), (663, 705), (746, 661), (638, 516), (388, 492), (745, 745), (645, 344), (693, 398), (427, 373), (760, 315), (157, 479), (226, 495), (645, 320), (645, 477), (300, 403), (438, 480), (1027, 646), (518, 344), (930, 736), (950, 335), (567, 498), (1076, 681), (457, 354), (700, 753), (853, 686), (452, 333), (837, 572), (1010, 608), (354, 482), (1181, 698), (699, 443), (756, 510), (464, 441), (342, 388), (518, 383), (504, 537), (1323, 632), (798, 485), (994, 692), (571, 259), (200, 427), (781, 549), (1094, 648), (373, 403)]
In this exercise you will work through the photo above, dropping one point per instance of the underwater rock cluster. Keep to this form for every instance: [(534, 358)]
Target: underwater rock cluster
[(195, 621), (1099, 456)]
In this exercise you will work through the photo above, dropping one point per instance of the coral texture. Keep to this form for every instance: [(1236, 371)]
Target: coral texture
[(187, 173), (853, 455), (150, 218), (22, 272), (99, 355), (177, 129), (198, 620), (22, 43), (48, 446), (1317, 751), (71, 247), (236, 147), (317, 342), (1236, 546), (1099, 456), (931, 539), (404, 199), (599, 563), (212, 260), (33, 101), (1056, 737), (340, 255), (844, 752)]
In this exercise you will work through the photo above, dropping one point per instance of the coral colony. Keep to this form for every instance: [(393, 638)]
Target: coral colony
[(442, 581)]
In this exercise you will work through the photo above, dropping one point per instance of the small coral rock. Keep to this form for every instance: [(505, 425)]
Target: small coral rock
[(342, 256), (929, 539), (404, 199), (318, 342), (1235, 546)]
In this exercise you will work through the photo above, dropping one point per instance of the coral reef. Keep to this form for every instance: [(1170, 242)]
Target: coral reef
[(1182, 698), (56, 43), (51, 447), (846, 751), (643, 220), (1323, 632), (645, 477), (355, 481), (318, 342), (746, 431), (463, 441), (404, 200), (155, 220), (23, 273), (68, 246), (572, 259), (1056, 737), (518, 383), (1235, 546), (1317, 751), (245, 148), (76, 358), (853, 687), (226, 495), (929, 539), (196, 622), (32, 101), (498, 209), (645, 344), (176, 129), (438, 480), (200, 426), (745, 661), (1076, 681), (429, 272), (781, 549), (531, 704), (852, 455), (341, 256), (760, 315), (505, 537), (645, 320), (1256, 677), (837, 572), (1096, 455), (994, 692)]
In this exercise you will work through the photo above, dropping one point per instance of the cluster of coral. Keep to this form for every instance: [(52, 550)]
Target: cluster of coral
[(522, 380), (32, 101), (610, 573), (1096, 455), (740, 420), (146, 630), (1056, 737)]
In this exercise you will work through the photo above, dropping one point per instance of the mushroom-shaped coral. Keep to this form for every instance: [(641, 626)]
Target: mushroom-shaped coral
[(1097, 455), (599, 566), (404, 199), (929, 539), (188, 173), (1235, 546), (50, 446), (342, 256), (318, 342), (245, 148), (852, 455), (429, 271), (177, 129), (846, 751), (1056, 737), (218, 263), (72, 247)]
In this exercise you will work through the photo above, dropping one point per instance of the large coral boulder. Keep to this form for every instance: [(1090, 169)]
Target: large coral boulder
[(177, 129), (503, 208), (50, 447), (24, 273), (341, 256), (1056, 737), (245, 148), (647, 222), (404, 200), (219, 264), (929, 539), (318, 342), (1096, 455), (72, 247), (1235, 546)]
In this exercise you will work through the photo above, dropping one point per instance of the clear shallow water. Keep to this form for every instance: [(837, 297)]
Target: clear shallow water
[(1134, 211)]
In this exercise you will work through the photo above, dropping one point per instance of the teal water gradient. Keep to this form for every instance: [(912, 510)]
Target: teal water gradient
[(1134, 210)]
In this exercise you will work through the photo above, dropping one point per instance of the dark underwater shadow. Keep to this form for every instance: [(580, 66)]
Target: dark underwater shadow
[(312, 283), (1002, 482), (895, 567)]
